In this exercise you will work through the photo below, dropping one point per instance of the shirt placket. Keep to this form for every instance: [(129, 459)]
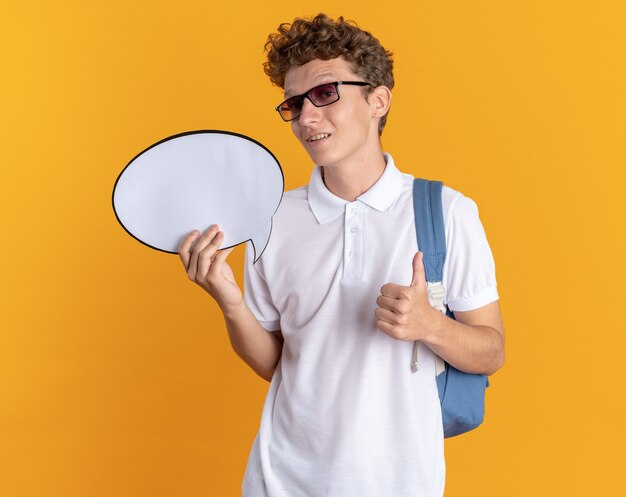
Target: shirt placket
[(354, 225)]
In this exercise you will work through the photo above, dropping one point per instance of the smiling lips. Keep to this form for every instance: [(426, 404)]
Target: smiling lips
[(318, 137)]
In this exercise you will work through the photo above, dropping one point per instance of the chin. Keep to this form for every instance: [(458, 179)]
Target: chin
[(324, 159)]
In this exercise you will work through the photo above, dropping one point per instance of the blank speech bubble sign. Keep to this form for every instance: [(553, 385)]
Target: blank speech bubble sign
[(195, 179)]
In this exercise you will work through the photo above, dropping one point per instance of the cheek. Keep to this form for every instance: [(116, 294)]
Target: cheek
[(295, 129), (356, 115)]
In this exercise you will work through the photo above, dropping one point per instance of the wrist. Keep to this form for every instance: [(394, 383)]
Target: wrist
[(437, 329), (232, 311)]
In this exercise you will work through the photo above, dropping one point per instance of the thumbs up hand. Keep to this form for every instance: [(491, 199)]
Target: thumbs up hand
[(404, 312)]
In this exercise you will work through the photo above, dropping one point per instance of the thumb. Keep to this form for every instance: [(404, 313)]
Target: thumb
[(419, 276), (220, 257)]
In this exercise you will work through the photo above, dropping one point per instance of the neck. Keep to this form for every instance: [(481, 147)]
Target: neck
[(352, 179)]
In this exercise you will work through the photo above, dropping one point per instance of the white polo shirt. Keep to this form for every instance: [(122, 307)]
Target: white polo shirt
[(344, 415)]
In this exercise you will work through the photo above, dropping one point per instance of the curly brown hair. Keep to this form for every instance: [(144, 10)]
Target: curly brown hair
[(323, 38)]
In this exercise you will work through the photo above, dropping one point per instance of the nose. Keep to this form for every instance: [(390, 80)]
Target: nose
[(309, 113)]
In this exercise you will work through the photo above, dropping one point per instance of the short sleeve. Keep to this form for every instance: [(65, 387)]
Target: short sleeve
[(257, 295), (469, 275)]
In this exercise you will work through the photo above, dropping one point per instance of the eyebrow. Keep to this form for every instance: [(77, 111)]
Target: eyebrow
[(288, 93)]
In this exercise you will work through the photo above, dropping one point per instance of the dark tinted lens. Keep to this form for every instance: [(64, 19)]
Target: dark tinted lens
[(291, 108), (324, 95)]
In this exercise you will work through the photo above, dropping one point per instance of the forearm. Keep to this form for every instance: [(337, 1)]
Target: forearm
[(257, 347), (469, 348)]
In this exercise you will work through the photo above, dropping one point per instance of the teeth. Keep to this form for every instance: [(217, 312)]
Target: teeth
[(318, 137)]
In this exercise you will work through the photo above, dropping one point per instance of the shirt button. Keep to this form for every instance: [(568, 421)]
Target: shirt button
[(353, 230)]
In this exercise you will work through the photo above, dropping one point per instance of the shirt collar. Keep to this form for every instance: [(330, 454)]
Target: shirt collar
[(382, 195)]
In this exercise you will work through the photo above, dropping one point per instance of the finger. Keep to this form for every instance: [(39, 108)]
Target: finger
[(184, 249), (386, 316), (205, 257), (385, 327), (394, 291), (419, 276), (391, 304), (218, 262), (220, 258), (198, 247)]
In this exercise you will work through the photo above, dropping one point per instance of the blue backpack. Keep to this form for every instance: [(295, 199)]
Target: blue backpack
[(462, 395)]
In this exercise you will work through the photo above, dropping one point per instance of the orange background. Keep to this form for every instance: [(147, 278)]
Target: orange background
[(116, 374)]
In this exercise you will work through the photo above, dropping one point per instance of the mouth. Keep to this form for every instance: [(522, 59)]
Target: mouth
[(320, 137)]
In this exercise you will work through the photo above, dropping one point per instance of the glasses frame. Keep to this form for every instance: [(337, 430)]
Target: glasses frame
[(308, 93)]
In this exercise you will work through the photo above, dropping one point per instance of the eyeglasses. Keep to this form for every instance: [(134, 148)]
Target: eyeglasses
[(320, 96)]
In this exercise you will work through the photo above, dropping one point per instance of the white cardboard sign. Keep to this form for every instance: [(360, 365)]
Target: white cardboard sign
[(195, 179)]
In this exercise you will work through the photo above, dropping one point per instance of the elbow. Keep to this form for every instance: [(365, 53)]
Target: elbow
[(264, 371), (494, 369), (267, 372), (498, 357), (267, 375), (496, 364)]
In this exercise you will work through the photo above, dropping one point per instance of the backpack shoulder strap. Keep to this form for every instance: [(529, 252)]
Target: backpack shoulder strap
[(429, 226), (431, 241)]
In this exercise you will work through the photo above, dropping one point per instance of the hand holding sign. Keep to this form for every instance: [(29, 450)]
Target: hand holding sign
[(194, 180), (208, 268)]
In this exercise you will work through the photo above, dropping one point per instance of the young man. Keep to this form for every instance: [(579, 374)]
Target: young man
[(334, 305)]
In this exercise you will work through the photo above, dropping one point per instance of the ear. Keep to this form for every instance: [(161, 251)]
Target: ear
[(380, 101)]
